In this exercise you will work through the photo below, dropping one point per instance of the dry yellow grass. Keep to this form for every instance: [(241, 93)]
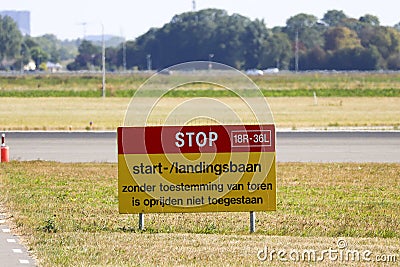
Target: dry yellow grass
[(67, 215), (107, 114), (134, 249), (349, 111), (61, 113)]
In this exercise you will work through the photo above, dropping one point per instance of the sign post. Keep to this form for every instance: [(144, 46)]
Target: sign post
[(141, 221), (252, 222)]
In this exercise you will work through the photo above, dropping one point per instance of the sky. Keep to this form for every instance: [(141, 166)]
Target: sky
[(71, 19)]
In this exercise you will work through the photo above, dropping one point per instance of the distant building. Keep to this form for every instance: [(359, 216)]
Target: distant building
[(53, 67), (30, 66), (22, 18)]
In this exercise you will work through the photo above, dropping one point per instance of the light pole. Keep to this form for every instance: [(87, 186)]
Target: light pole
[(148, 57), (194, 5), (103, 57), (22, 62), (124, 55), (210, 56), (296, 53), (123, 52)]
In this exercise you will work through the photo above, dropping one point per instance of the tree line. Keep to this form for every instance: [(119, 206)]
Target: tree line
[(335, 42), (17, 50)]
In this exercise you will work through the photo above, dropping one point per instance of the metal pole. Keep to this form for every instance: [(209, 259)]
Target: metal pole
[(103, 63), (194, 6), (22, 62), (297, 52), (124, 55), (141, 221), (148, 57), (210, 56), (252, 222)]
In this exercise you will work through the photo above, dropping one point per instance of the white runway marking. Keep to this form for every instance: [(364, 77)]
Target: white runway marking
[(17, 250)]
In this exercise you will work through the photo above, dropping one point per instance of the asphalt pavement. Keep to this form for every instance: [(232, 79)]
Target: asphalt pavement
[(339, 146), (291, 146), (12, 253)]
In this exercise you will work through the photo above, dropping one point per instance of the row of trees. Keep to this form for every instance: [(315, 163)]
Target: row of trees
[(17, 50), (304, 43)]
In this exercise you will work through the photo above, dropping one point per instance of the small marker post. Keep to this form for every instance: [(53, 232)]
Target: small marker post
[(4, 149), (252, 221), (315, 99)]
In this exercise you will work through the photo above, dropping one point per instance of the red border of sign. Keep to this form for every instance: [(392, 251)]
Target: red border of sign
[(161, 139)]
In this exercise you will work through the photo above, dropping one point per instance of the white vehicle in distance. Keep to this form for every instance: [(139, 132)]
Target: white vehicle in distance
[(254, 72), (271, 70)]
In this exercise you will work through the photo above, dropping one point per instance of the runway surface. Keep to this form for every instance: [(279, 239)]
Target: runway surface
[(292, 146), (12, 253)]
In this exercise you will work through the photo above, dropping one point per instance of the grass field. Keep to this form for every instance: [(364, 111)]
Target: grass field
[(347, 84), (67, 215), (76, 113), (71, 101)]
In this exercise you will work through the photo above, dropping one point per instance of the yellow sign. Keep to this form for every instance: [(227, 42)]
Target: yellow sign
[(196, 169)]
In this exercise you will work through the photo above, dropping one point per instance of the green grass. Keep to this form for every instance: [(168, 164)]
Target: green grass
[(206, 93), (280, 85), (68, 216)]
